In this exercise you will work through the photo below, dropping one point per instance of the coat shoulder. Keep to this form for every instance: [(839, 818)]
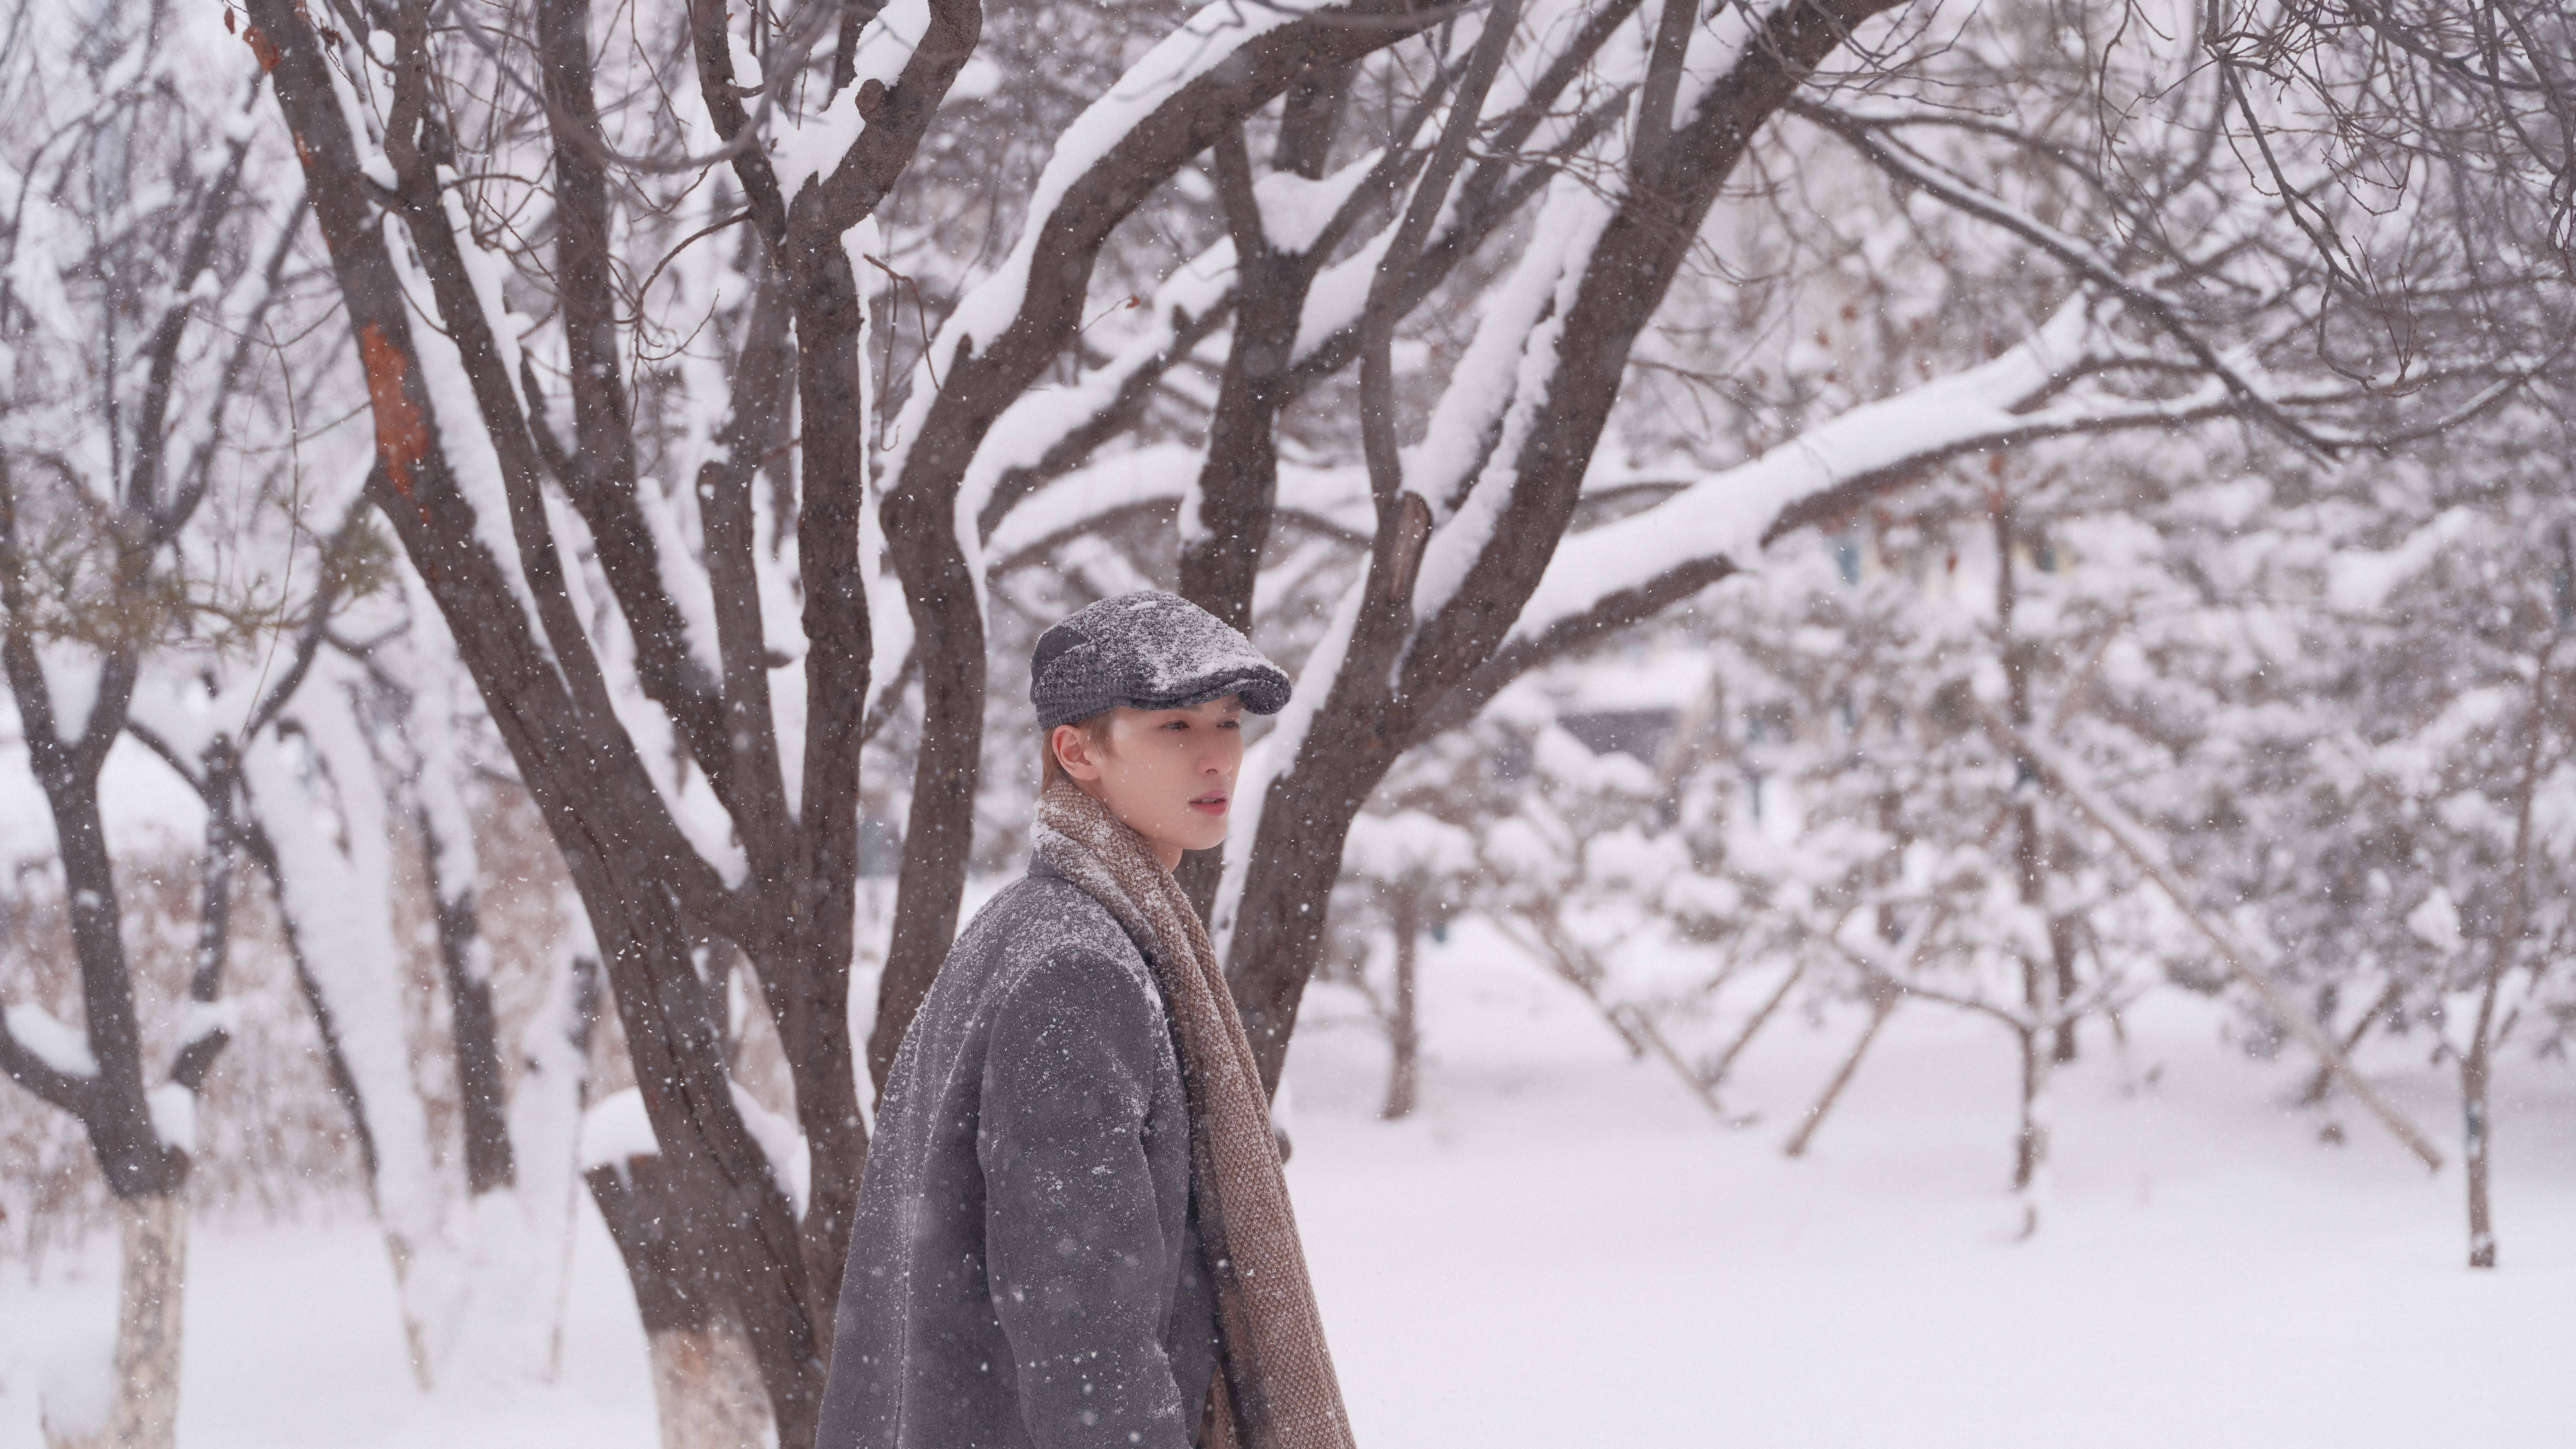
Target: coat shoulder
[(1044, 926)]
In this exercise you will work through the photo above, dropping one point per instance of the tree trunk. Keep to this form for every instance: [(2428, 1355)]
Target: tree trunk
[(939, 833), (649, 894), (1404, 1028), (481, 1097), (707, 1385), (2030, 1145), (2061, 950), (145, 1415), (149, 1297), (1201, 872), (2039, 979), (2473, 1151), (2321, 1086)]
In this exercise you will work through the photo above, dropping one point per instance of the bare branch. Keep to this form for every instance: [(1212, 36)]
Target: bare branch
[(2089, 266)]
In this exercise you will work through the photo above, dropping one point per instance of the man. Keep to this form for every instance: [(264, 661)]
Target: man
[(1072, 1230)]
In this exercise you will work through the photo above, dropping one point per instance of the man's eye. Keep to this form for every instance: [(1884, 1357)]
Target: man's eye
[(1232, 724)]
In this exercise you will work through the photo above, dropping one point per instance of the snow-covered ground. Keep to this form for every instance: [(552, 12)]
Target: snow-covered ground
[(1565, 1249)]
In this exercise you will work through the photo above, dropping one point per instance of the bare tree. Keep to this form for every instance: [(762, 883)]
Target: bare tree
[(135, 319)]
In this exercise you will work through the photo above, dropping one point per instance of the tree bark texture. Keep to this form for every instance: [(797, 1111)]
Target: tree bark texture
[(2061, 951), (1239, 482), (151, 1291), (109, 1101), (2030, 1137), (1404, 1023), (220, 788), (111, 1104), (707, 1386), (152, 1235), (482, 1097)]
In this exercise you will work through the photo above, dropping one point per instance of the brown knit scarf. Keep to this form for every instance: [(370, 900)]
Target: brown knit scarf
[(1280, 1391)]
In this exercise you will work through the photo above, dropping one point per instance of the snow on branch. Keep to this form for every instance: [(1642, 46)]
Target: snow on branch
[(1125, 143), (1026, 442), (1494, 397), (63, 1048), (812, 147), (1049, 432), (616, 1131), (1332, 500), (52, 1059), (1716, 525)]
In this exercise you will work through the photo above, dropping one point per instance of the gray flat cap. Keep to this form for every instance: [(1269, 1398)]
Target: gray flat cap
[(1147, 650)]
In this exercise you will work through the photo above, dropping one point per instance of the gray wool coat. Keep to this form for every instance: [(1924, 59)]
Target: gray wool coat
[(1024, 1272)]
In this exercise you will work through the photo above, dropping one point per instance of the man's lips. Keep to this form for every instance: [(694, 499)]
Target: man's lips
[(1209, 804)]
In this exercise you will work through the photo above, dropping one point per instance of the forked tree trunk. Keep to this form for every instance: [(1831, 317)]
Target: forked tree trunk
[(2477, 1063), (153, 1230), (707, 1387)]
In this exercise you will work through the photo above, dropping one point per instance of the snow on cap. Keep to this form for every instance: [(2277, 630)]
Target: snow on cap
[(1147, 650)]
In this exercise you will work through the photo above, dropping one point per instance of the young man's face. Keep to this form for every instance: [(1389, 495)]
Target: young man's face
[(1168, 773)]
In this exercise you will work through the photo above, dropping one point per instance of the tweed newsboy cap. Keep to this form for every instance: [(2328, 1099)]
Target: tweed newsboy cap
[(1147, 650)]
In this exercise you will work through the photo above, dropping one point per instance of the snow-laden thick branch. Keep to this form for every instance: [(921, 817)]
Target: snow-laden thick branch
[(1027, 444), (1202, 77), (1722, 520), (1048, 433), (1329, 500), (47, 1056)]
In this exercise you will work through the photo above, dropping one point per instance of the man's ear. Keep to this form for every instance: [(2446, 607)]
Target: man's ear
[(1073, 751)]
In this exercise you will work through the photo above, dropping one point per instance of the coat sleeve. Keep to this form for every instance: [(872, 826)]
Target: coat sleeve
[(1076, 1257)]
